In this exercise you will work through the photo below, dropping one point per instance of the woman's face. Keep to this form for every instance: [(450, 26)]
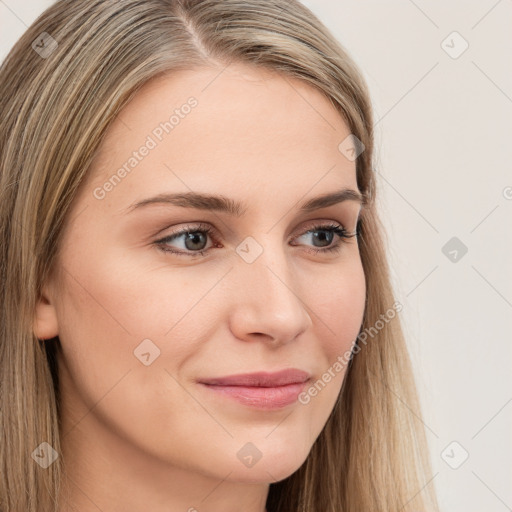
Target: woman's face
[(144, 318)]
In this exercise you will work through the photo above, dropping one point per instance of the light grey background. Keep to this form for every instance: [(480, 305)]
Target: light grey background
[(443, 130)]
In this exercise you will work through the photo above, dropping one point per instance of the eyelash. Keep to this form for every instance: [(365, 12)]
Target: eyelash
[(208, 230)]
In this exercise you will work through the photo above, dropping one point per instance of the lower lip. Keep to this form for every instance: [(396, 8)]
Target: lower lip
[(260, 397)]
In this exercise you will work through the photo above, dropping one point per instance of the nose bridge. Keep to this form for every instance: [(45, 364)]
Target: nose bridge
[(268, 298)]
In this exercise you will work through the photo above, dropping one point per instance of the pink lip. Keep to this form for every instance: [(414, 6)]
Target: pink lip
[(262, 390)]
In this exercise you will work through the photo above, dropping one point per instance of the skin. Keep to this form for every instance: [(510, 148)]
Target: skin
[(137, 437)]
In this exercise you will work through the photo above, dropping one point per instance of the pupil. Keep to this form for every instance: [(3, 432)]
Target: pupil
[(322, 237), (194, 237)]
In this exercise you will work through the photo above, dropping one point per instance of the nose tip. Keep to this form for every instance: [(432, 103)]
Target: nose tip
[(267, 304)]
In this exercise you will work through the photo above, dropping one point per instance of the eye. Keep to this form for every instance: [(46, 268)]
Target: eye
[(328, 232), (194, 239)]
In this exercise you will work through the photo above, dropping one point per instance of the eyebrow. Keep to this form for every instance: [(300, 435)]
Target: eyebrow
[(224, 204)]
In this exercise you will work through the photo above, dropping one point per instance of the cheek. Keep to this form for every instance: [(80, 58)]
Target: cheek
[(343, 313), (337, 315), (339, 307), (112, 302), (105, 311), (133, 297)]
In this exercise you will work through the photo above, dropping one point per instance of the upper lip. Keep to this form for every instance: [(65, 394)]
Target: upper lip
[(260, 379)]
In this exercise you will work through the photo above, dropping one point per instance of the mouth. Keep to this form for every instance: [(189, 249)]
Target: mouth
[(261, 390)]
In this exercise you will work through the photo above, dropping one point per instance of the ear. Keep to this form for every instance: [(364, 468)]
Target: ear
[(46, 325)]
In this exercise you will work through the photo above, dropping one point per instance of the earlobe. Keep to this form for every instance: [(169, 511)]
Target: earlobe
[(46, 325)]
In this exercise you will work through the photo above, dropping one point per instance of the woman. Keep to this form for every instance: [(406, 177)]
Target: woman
[(196, 308)]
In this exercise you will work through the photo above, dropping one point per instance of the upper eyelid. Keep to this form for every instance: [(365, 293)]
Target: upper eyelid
[(213, 232), (343, 233)]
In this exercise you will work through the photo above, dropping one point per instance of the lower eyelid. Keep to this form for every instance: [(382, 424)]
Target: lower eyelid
[(210, 232)]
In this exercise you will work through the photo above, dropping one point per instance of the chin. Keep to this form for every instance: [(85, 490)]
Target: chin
[(273, 466), (269, 474)]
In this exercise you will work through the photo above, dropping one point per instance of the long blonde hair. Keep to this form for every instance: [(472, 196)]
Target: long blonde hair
[(62, 85)]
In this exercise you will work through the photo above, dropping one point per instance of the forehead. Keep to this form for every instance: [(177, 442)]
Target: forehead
[(238, 127)]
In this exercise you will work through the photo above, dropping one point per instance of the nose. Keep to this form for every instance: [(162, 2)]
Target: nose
[(266, 302)]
